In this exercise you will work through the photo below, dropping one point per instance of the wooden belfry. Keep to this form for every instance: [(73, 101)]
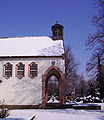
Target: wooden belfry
[(57, 31)]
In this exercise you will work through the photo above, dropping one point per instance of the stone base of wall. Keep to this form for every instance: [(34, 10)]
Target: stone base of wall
[(12, 107)]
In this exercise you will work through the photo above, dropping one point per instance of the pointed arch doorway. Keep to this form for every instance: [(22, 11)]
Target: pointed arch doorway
[(59, 81)]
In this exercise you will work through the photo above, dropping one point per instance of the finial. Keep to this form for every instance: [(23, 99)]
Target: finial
[(56, 21)]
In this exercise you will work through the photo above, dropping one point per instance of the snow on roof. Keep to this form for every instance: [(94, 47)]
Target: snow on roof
[(30, 46)]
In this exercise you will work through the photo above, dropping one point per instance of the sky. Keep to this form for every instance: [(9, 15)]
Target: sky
[(35, 18)]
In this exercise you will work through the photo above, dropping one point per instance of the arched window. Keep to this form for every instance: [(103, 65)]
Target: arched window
[(20, 67), (7, 70), (32, 70)]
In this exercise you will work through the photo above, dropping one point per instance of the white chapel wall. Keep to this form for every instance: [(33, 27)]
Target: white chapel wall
[(25, 91), (1, 69)]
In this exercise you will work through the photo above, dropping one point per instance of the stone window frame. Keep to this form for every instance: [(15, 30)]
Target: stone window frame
[(4, 70), (30, 70), (17, 70)]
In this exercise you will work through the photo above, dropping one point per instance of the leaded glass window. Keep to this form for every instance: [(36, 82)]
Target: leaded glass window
[(20, 70), (7, 70), (32, 70)]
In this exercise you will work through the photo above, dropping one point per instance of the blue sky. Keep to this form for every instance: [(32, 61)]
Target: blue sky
[(35, 18)]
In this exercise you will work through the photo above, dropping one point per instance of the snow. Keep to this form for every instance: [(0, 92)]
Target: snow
[(31, 46), (57, 114), (53, 100)]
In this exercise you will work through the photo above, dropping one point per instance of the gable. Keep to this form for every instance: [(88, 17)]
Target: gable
[(30, 46)]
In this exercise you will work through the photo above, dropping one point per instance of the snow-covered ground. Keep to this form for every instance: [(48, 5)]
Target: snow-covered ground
[(57, 114)]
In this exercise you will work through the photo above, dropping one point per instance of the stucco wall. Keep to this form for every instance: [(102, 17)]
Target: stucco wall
[(25, 91)]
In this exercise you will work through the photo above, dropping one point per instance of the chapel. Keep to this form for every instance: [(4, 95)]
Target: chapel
[(32, 70)]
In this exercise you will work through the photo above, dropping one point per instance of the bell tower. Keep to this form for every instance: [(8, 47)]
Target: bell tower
[(57, 31)]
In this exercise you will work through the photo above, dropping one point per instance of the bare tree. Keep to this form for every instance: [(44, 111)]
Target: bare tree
[(96, 69), (81, 87), (92, 87), (95, 42), (97, 39), (70, 72)]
